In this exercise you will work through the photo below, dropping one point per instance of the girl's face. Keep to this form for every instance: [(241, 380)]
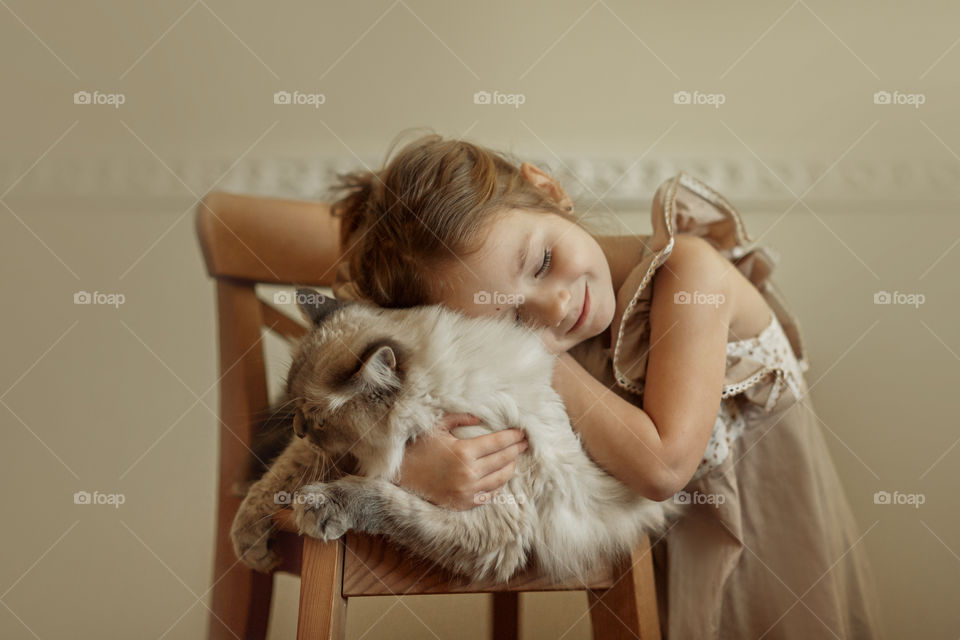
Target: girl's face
[(541, 271)]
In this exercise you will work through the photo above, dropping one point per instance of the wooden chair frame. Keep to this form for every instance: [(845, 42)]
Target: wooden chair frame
[(247, 240)]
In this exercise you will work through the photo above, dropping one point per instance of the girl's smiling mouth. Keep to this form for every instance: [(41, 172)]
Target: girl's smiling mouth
[(583, 311)]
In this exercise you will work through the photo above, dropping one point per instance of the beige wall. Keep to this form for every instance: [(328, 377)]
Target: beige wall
[(122, 400)]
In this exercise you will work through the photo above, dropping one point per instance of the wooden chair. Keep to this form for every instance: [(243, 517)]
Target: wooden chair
[(247, 240)]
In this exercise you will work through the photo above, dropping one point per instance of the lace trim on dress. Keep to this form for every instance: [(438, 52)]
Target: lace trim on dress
[(779, 371), (771, 349), (728, 427)]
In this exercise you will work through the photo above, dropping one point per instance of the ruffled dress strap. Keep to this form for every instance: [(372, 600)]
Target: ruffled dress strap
[(684, 204)]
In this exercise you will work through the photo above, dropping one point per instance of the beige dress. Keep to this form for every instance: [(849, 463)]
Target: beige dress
[(768, 547)]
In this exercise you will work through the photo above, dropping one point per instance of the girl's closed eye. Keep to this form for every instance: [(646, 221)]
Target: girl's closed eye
[(545, 265), (542, 271)]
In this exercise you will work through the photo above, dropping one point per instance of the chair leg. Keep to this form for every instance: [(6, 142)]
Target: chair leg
[(506, 615), (323, 609), (628, 610), (240, 603)]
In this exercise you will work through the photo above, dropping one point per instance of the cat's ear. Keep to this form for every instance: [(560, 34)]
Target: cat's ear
[(315, 306), (380, 365)]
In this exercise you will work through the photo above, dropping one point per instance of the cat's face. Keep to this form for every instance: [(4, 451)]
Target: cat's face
[(345, 377)]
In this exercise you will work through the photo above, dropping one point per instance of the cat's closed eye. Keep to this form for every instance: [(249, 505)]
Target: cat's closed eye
[(314, 416), (307, 415)]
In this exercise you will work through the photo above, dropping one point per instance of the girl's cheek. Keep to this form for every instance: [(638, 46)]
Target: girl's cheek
[(552, 345)]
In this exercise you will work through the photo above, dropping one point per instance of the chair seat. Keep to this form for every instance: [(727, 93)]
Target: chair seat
[(373, 566)]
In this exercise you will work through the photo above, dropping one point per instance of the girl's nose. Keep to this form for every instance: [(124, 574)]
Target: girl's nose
[(560, 308)]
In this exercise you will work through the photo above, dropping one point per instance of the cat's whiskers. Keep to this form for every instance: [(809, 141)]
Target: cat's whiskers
[(254, 523), (279, 408), (316, 467)]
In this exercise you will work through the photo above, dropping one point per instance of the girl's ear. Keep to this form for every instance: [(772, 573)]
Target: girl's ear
[(544, 182)]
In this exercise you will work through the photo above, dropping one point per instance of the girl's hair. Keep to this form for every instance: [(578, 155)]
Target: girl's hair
[(432, 202)]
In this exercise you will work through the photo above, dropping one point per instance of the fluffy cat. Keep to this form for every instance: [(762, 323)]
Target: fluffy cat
[(366, 380)]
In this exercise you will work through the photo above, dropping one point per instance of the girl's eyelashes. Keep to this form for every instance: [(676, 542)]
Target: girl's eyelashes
[(545, 266)]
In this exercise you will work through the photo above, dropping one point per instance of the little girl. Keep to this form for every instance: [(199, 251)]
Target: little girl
[(679, 365)]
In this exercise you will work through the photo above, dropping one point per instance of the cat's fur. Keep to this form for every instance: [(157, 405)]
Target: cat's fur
[(367, 380)]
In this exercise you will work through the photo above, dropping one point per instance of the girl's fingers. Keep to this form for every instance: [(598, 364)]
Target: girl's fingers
[(500, 459), (497, 479), (492, 442)]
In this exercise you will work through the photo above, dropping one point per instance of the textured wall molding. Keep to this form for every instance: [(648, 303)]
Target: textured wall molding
[(615, 183)]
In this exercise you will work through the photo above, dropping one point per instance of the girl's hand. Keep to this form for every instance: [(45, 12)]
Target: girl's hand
[(460, 473)]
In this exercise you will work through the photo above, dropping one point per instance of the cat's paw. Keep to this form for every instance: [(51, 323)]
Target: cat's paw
[(320, 512), (251, 544), (260, 558)]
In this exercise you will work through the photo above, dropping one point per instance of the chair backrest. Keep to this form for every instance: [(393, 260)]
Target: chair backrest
[(259, 239), (248, 240)]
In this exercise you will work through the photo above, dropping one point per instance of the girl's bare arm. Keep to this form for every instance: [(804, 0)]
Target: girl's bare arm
[(655, 450)]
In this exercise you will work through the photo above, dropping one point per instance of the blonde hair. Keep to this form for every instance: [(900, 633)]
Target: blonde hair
[(432, 202)]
